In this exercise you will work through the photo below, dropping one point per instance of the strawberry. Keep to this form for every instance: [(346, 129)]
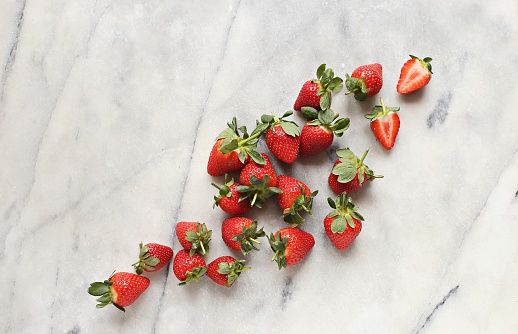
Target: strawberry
[(318, 134), (225, 270), (295, 197), (229, 198), (152, 257), (188, 268), (384, 124), (365, 81), (344, 223), (415, 74), (316, 93), (282, 137), (121, 289), (349, 173), (232, 151), (240, 234), (194, 237), (257, 182), (290, 246)]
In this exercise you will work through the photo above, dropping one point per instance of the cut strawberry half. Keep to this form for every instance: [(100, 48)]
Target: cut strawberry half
[(415, 74), (384, 124)]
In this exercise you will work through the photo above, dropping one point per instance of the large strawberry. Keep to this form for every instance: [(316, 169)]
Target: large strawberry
[(415, 74), (188, 268), (365, 81), (318, 134), (257, 182), (194, 237), (290, 246), (225, 270), (384, 124), (121, 289), (282, 137), (349, 173), (228, 198), (152, 257), (294, 198), (316, 93), (232, 151), (240, 234), (344, 223)]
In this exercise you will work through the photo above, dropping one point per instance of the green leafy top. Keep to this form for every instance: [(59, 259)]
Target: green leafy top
[(104, 292), (292, 215), (248, 237), (258, 192), (357, 87), (278, 245), (232, 270), (328, 84), (270, 121), (327, 118), (199, 239), (146, 261), (350, 165), (223, 190), (425, 62), (193, 275), (245, 143), (380, 111), (344, 213)]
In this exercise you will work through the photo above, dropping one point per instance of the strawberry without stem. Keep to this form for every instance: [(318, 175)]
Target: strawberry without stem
[(316, 93), (415, 74), (188, 268), (294, 198), (290, 246), (228, 198), (365, 81), (384, 124), (240, 234), (343, 224), (194, 237), (152, 257), (225, 270), (282, 137)]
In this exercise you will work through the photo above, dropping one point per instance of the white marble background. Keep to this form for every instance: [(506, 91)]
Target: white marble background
[(108, 110)]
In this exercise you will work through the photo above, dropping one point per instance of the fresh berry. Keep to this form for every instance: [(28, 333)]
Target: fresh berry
[(194, 237), (415, 74), (344, 223), (294, 198), (290, 246), (316, 93), (282, 137), (225, 270), (365, 81), (257, 182), (121, 289), (384, 124), (152, 257), (228, 198), (349, 173), (240, 234), (188, 268)]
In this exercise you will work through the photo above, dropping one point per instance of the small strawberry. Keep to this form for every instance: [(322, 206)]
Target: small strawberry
[(257, 182), (188, 268), (225, 270), (290, 246), (344, 223), (295, 197), (240, 234), (349, 173), (316, 93), (365, 81), (385, 124), (282, 137), (229, 200), (194, 237), (152, 257), (415, 74), (121, 290), (232, 151), (318, 134)]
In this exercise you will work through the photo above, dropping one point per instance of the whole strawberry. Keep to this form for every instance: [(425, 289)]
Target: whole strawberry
[(365, 81), (121, 289), (384, 124), (240, 234), (257, 182), (225, 270), (194, 237), (294, 198), (344, 223), (349, 173), (282, 137), (316, 93), (229, 199), (415, 74), (152, 257), (188, 268), (290, 246)]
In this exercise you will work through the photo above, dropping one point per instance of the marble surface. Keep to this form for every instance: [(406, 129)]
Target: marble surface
[(108, 111)]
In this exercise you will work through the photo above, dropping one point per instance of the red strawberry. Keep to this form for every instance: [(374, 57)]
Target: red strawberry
[(259, 171), (257, 183), (194, 237), (240, 234), (121, 289), (232, 151), (318, 134), (152, 257), (316, 93), (365, 80), (344, 223), (188, 268), (349, 173), (415, 74), (225, 270), (384, 124), (295, 197), (290, 245), (282, 137), (229, 198)]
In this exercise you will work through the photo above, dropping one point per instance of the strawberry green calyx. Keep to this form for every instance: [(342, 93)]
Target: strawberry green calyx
[(104, 292), (357, 87), (425, 62), (350, 166), (326, 118), (199, 239), (344, 211), (278, 245), (380, 111), (246, 144), (146, 261), (193, 275), (224, 190), (328, 84), (232, 270), (292, 215), (258, 192), (270, 121), (248, 237)]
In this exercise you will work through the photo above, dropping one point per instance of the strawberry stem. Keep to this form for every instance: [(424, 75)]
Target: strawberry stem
[(363, 156), (275, 255), (254, 240)]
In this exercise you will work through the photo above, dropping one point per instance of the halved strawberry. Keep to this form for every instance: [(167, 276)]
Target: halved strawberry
[(316, 93), (385, 124), (415, 74)]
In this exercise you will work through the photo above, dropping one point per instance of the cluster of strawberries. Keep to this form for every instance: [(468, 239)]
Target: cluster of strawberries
[(235, 151)]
